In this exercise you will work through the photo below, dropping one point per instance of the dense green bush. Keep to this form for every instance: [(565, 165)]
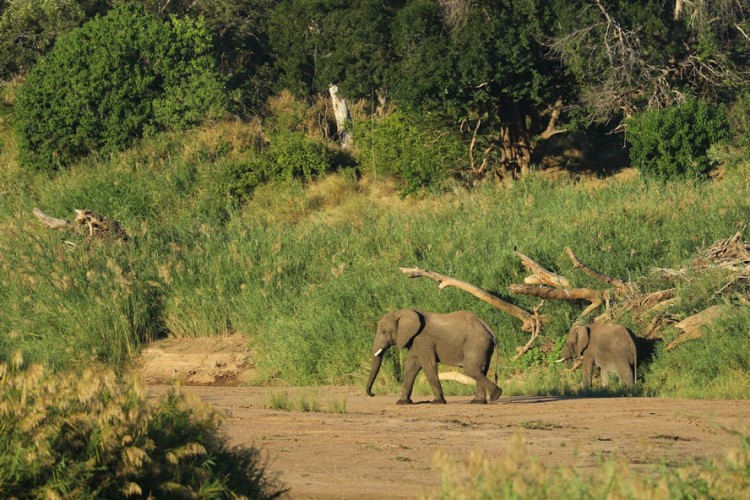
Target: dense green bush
[(289, 156), (418, 153), (674, 141), (113, 79), (90, 435), (738, 116)]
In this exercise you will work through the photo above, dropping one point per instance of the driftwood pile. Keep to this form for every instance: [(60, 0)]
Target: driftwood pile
[(651, 310)]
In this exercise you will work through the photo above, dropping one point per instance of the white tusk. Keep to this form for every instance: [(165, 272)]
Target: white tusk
[(378, 353), (560, 360)]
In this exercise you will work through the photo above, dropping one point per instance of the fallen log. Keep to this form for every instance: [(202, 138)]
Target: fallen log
[(541, 276), (693, 326), (456, 377), (52, 222), (93, 224), (531, 322), (595, 297)]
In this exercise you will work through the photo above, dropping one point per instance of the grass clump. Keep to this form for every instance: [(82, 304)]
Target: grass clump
[(715, 366), (518, 476), (303, 401), (92, 435)]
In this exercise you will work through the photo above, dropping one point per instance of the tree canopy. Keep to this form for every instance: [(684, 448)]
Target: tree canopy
[(500, 75)]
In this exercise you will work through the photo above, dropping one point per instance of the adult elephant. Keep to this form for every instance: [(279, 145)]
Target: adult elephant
[(459, 338)]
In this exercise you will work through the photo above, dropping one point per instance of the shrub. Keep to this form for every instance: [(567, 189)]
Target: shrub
[(290, 156), (90, 435), (738, 116), (113, 79), (419, 154), (674, 141)]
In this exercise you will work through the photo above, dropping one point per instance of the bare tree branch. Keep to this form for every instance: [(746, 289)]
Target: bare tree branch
[(530, 321)]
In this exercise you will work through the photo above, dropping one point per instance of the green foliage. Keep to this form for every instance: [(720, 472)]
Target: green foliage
[(482, 65), (319, 42), (305, 270), (289, 156), (90, 435), (112, 80), (738, 116), (238, 29), (715, 366), (673, 142), (29, 28), (417, 152)]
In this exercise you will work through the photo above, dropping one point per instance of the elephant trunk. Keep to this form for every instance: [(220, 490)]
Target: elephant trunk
[(377, 359)]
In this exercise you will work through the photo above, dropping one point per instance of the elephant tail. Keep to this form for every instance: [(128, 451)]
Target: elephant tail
[(497, 347)]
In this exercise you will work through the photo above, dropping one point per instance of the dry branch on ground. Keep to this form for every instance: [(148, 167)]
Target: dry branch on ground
[(693, 326), (90, 223)]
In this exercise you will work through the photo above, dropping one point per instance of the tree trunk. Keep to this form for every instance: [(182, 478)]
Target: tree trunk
[(343, 118)]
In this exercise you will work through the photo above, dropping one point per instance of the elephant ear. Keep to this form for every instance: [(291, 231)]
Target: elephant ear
[(582, 339), (408, 324)]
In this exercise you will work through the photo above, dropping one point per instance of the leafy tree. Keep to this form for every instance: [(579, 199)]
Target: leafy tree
[(629, 56), (319, 42), (485, 65), (113, 79), (240, 42), (29, 28)]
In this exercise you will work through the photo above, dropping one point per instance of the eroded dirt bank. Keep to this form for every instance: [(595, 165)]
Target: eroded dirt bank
[(376, 449)]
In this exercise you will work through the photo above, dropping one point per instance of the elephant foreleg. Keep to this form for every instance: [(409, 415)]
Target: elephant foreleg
[(587, 371), (410, 374), (430, 371)]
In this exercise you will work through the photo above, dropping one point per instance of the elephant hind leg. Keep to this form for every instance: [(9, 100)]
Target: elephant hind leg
[(484, 386), (625, 372)]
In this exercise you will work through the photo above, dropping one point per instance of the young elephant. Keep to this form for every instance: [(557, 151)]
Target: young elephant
[(610, 347), (459, 338)]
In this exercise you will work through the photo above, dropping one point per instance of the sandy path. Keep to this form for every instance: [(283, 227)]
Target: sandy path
[(377, 449)]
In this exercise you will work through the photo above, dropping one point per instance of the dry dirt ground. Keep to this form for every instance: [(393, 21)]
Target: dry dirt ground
[(377, 449)]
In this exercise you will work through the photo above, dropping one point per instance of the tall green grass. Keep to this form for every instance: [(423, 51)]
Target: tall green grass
[(306, 271)]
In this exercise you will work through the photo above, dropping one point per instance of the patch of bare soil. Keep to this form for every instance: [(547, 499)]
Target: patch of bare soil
[(377, 449), (223, 360)]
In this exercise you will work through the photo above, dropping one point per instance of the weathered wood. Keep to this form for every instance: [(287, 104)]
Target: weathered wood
[(521, 350), (52, 222), (621, 287), (693, 326), (100, 226), (594, 296), (530, 322), (93, 224), (343, 118), (456, 377), (540, 275)]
